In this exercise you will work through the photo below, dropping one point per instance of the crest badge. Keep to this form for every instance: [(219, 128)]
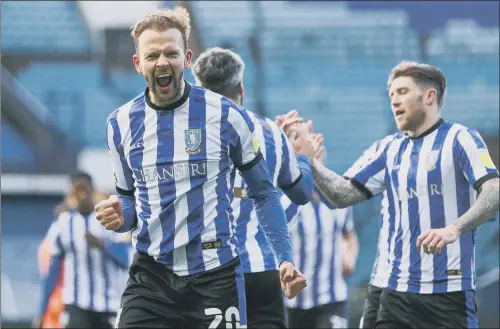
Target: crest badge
[(192, 138), (431, 160)]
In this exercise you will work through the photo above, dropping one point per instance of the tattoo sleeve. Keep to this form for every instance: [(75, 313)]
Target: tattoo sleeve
[(340, 191), (485, 207)]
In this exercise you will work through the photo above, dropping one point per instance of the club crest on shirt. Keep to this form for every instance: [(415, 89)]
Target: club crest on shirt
[(192, 137), (431, 160)]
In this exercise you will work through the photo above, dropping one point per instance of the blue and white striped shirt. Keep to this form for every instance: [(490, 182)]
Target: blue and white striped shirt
[(430, 182), (180, 165), (380, 271), (91, 279), (317, 240), (254, 250)]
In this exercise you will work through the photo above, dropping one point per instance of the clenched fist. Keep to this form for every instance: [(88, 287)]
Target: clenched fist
[(292, 280), (109, 213)]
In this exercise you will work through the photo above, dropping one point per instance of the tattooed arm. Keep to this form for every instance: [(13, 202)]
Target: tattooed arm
[(338, 190), (486, 207)]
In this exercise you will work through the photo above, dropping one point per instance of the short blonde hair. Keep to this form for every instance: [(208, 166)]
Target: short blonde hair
[(424, 75), (177, 18)]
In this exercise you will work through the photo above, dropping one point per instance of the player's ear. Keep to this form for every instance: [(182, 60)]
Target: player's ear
[(241, 89), (430, 96), (137, 63), (187, 61)]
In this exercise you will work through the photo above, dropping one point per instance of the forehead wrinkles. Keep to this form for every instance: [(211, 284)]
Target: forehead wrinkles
[(170, 38)]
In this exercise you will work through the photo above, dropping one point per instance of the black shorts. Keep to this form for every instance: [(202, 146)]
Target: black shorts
[(410, 310), (155, 297), (333, 315), (265, 307), (372, 304), (75, 317)]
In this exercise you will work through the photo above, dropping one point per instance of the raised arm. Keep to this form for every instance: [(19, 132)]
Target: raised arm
[(246, 155), (335, 188), (295, 176)]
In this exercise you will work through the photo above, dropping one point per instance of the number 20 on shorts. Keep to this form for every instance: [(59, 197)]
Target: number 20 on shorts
[(227, 316)]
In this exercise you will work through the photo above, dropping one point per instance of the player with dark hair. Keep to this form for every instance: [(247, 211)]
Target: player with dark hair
[(221, 70), (93, 257)]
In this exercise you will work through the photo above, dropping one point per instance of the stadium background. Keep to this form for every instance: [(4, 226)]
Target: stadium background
[(67, 65)]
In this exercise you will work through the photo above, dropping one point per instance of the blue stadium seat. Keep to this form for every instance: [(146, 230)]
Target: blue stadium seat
[(128, 82), (74, 93), (43, 27), (16, 150)]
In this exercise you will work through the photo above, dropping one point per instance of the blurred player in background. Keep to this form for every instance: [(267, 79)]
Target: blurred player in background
[(441, 184), (380, 270), (55, 307), (221, 70), (93, 257), (326, 249), (174, 150)]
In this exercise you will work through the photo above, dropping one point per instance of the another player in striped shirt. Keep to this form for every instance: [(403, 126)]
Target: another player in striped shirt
[(174, 151), (221, 70), (441, 184), (380, 271), (325, 248), (90, 291)]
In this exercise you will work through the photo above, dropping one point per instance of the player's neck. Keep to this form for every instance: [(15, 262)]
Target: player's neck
[(235, 101), (428, 125), (85, 208), (171, 105)]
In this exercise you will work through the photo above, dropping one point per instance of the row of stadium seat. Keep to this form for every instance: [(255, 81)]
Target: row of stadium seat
[(358, 86), (16, 150), (43, 27)]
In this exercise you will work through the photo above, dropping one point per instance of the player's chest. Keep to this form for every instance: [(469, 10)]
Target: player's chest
[(75, 233), (316, 223), (420, 168), (166, 143)]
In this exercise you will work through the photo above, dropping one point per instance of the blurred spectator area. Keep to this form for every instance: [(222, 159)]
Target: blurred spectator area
[(67, 65)]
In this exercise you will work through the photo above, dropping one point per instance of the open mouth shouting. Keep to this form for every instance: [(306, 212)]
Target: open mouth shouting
[(163, 81)]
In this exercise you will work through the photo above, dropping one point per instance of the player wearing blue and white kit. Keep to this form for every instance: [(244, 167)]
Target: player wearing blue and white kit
[(174, 150), (441, 184), (380, 270), (221, 71), (325, 250), (92, 258)]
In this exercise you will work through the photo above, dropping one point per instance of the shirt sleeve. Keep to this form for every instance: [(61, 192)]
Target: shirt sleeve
[(270, 213), (368, 172), (289, 171), (244, 148), (291, 209), (473, 157), (124, 179)]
